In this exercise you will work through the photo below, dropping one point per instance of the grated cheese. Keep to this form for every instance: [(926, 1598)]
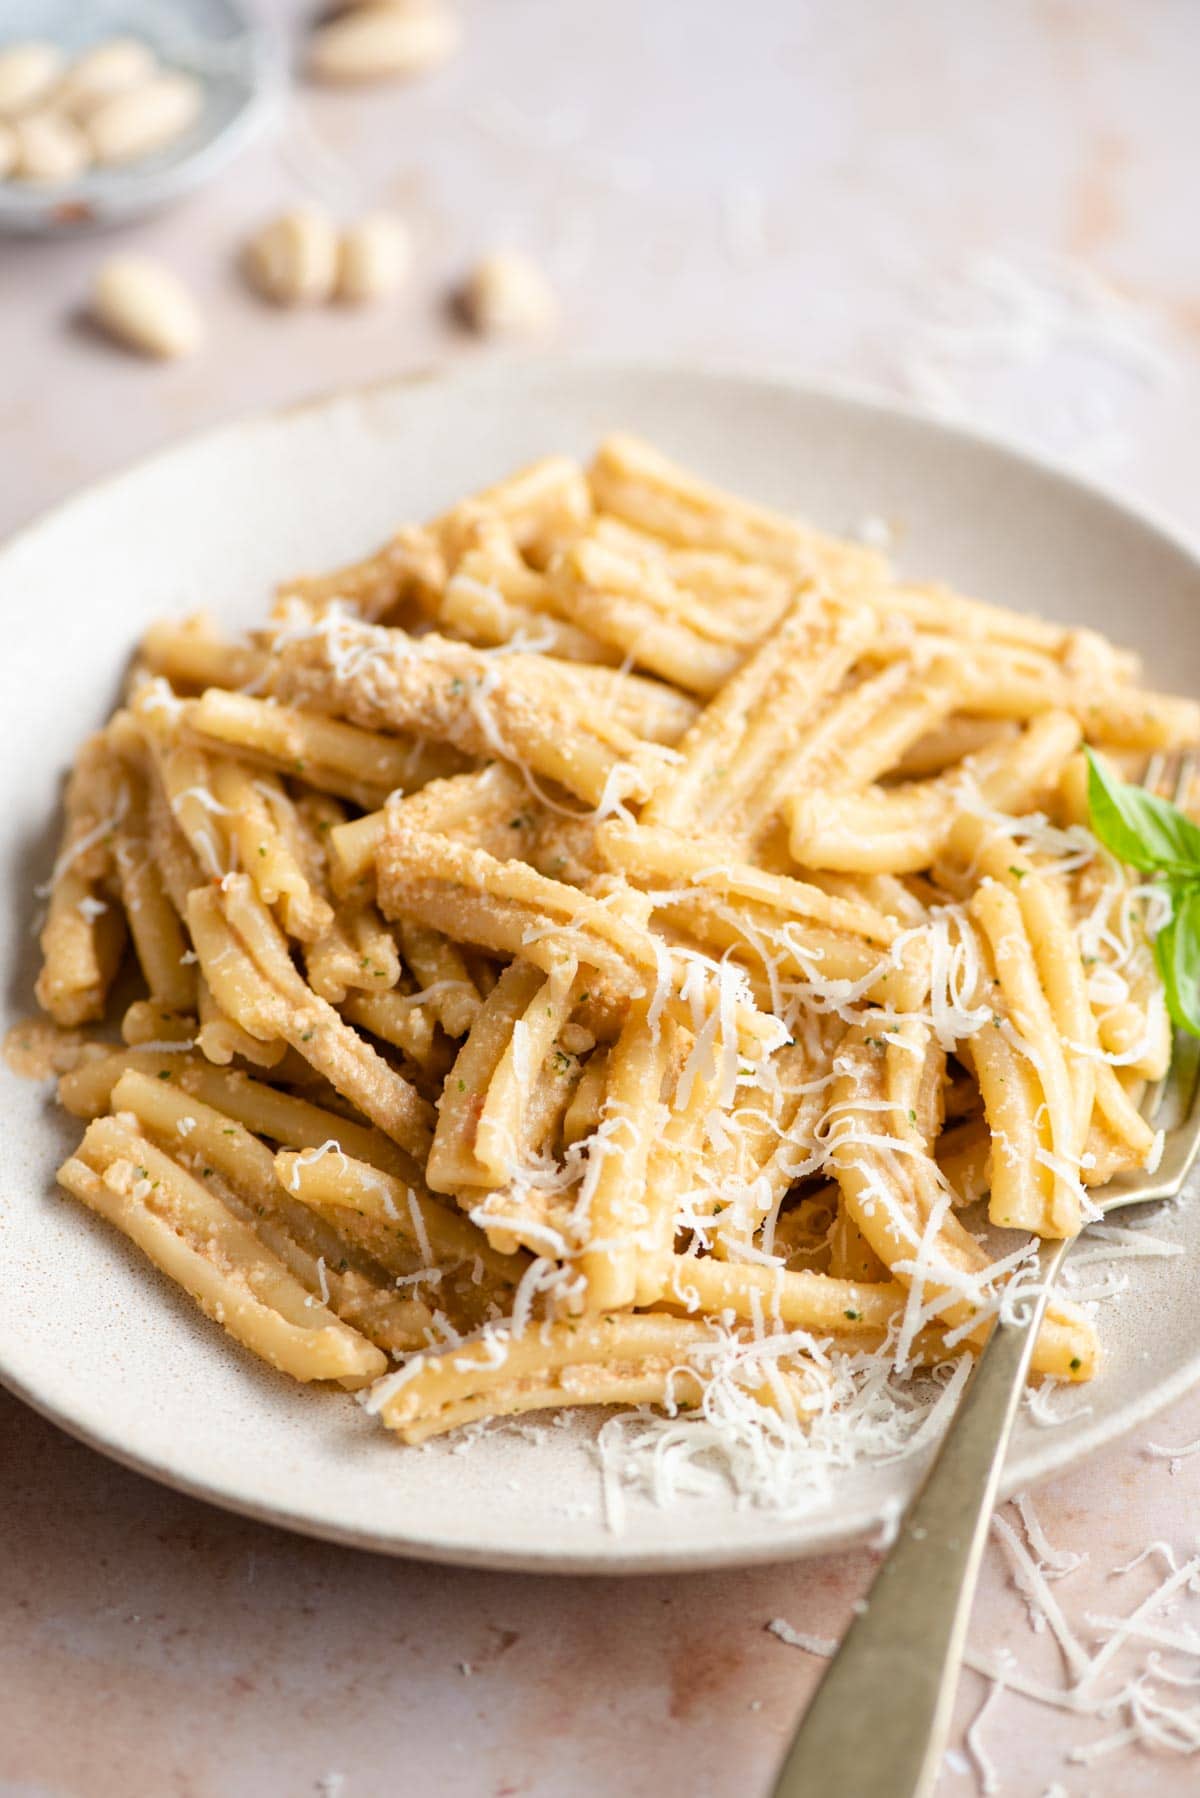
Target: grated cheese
[(989, 1778), (81, 845), (307, 1157), (1176, 1456), (798, 1638)]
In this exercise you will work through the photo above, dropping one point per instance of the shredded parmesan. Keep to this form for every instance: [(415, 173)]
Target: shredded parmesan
[(798, 1638)]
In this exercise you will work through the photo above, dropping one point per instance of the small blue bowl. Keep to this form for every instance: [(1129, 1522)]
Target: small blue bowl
[(237, 61)]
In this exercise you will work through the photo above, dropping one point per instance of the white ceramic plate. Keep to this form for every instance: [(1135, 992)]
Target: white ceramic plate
[(88, 1333)]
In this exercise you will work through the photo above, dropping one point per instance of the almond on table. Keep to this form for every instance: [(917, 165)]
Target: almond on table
[(507, 295), (383, 41), (373, 259), (294, 260), (146, 307)]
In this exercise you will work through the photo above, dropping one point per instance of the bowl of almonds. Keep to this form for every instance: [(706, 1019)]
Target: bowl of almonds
[(113, 108)]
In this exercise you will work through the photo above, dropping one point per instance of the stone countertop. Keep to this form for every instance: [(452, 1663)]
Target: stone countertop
[(982, 209)]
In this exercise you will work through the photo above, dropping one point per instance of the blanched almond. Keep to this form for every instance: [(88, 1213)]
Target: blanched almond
[(146, 307), (507, 295), (145, 117), (373, 260), (381, 42), (8, 150), (50, 148), (28, 71), (294, 260), (107, 68)]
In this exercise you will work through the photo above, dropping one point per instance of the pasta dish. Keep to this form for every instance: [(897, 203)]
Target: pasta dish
[(613, 946)]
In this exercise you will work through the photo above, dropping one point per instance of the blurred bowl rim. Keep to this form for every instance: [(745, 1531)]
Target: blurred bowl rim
[(102, 198)]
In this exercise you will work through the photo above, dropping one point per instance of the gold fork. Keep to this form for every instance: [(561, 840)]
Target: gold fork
[(877, 1725)]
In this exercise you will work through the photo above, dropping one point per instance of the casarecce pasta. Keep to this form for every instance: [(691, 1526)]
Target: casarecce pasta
[(597, 948)]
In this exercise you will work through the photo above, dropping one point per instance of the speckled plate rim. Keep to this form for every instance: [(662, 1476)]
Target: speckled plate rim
[(501, 382)]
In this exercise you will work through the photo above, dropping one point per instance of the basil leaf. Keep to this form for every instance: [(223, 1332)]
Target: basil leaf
[(1177, 949), (1148, 833)]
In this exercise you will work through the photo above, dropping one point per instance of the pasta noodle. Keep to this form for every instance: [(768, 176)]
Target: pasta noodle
[(597, 949)]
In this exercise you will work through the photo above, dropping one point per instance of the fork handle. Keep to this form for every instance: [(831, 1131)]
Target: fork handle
[(878, 1723)]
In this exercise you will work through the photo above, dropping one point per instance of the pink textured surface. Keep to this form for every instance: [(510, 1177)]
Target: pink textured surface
[(150, 1645), (784, 185)]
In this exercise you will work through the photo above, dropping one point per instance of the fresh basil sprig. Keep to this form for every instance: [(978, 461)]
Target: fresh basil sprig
[(1156, 838)]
